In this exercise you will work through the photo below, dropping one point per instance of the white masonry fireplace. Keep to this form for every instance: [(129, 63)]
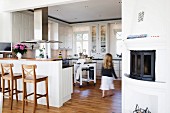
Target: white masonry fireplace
[(154, 23), (146, 92)]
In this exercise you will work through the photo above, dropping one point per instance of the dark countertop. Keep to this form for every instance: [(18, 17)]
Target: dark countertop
[(93, 59), (102, 59), (67, 66), (87, 62)]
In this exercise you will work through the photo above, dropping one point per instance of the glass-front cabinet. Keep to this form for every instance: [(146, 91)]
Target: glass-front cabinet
[(94, 39), (99, 40), (102, 34)]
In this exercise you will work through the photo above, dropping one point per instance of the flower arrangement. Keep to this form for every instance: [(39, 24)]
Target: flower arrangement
[(20, 48)]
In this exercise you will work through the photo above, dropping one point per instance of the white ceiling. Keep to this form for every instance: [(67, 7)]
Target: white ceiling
[(87, 11)]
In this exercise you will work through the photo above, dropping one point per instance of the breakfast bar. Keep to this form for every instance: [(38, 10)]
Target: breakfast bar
[(59, 79)]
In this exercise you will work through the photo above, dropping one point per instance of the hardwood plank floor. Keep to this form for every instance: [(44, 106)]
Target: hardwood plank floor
[(84, 100)]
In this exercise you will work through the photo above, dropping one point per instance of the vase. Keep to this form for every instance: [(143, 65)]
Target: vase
[(19, 55)]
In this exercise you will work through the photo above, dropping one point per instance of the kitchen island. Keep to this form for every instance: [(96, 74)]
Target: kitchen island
[(60, 83), (116, 61)]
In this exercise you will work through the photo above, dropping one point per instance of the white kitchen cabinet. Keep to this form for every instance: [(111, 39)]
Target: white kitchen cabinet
[(69, 38), (5, 27), (99, 40), (118, 68), (60, 32), (65, 36), (98, 68), (22, 27), (53, 34)]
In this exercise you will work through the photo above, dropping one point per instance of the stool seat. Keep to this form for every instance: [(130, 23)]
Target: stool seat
[(15, 76), (39, 78)]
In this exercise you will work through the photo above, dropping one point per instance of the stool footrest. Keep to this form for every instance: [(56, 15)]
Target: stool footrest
[(41, 95), (26, 100), (29, 94), (7, 91)]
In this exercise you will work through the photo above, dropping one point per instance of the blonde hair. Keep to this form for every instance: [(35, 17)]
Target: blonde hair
[(107, 61)]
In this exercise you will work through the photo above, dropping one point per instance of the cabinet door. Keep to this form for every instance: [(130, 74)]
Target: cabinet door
[(118, 67), (102, 39), (61, 36), (24, 27), (62, 39), (16, 19), (68, 37), (53, 34), (98, 68), (94, 40), (30, 27)]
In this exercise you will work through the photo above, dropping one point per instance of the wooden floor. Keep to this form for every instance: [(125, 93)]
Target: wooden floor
[(84, 100)]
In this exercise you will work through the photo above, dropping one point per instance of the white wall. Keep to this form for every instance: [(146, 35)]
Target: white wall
[(5, 27), (18, 5), (156, 17)]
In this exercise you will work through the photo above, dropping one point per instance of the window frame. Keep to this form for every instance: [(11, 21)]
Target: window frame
[(75, 41)]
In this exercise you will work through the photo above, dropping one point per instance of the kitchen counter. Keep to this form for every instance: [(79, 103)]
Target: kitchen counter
[(32, 59), (60, 83)]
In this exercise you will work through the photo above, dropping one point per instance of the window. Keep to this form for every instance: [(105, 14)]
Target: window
[(119, 43), (82, 45)]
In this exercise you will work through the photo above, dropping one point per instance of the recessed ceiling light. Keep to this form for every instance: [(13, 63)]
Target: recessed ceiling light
[(56, 10), (86, 6)]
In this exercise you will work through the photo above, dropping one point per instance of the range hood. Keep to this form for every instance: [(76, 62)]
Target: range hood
[(41, 27)]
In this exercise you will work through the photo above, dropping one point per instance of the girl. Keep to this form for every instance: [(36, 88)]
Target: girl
[(107, 75)]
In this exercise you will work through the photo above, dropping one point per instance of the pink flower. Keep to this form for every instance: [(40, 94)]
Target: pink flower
[(22, 47), (16, 46)]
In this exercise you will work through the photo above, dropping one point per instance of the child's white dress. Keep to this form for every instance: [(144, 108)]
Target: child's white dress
[(106, 83), (107, 78)]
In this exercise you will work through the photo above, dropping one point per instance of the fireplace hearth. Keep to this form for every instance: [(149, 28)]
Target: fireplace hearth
[(142, 65), (140, 110)]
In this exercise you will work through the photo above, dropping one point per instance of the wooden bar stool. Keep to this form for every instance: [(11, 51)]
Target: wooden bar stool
[(7, 74), (0, 81), (29, 76)]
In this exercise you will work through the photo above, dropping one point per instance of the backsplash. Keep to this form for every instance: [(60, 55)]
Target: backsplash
[(55, 53), (32, 54)]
